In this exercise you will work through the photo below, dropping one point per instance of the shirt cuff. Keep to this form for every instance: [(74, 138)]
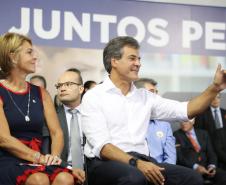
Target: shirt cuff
[(98, 148), (69, 167), (184, 110), (195, 166), (212, 166)]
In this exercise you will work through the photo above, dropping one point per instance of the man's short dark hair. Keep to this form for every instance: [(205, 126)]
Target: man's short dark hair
[(41, 78), (140, 83), (114, 49), (75, 70), (88, 84)]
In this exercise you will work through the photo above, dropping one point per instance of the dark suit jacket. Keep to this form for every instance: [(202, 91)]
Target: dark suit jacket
[(206, 121), (63, 123), (220, 146), (187, 156)]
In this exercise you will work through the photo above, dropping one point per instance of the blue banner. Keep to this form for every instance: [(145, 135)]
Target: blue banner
[(160, 28)]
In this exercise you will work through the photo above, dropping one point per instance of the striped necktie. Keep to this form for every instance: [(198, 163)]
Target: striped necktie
[(193, 142)]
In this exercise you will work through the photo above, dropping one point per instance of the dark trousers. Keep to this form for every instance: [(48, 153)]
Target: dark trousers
[(101, 172), (219, 178)]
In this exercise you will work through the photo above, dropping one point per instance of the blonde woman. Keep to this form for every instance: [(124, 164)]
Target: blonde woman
[(23, 109)]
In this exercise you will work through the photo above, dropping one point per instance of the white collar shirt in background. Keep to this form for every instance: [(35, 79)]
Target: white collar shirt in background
[(110, 117)]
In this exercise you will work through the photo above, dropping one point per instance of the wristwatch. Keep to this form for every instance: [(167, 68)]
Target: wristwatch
[(133, 161)]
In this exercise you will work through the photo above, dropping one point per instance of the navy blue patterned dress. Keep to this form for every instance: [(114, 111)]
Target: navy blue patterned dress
[(15, 171)]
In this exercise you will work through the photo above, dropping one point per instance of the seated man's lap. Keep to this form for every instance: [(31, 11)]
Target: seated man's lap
[(174, 174), (101, 172), (113, 172)]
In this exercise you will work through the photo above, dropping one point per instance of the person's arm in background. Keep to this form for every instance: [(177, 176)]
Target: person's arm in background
[(201, 102), (54, 128), (169, 149)]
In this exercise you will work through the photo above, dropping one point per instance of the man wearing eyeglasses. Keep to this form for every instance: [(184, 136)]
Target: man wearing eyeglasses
[(69, 89)]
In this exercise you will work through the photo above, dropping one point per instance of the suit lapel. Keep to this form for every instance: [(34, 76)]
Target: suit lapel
[(186, 140), (223, 115), (199, 138), (63, 123), (210, 120)]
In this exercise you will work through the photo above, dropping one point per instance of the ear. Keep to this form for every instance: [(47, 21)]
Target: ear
[(114, 62), (13, 58), (81, 89)]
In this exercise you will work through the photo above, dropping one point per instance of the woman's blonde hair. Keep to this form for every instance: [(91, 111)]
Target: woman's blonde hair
[(10, 43)]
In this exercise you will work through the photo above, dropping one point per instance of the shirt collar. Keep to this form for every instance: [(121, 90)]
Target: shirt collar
[(192, 131), (110, 86), (67, 108), (213, 109), (152, 121)]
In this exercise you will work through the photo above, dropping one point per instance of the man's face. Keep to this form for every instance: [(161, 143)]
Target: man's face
[(187, 126), (128, 66), (151, 88), (216, 101), (69, 90)]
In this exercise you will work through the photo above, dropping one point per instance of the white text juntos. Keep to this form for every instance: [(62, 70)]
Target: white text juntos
[(154, 32)]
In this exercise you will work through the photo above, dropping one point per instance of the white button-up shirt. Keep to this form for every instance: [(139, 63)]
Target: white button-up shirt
[(108, 116)]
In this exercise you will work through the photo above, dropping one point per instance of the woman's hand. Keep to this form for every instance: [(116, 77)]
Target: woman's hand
[(79, 174), (52, 160), (49, 159)]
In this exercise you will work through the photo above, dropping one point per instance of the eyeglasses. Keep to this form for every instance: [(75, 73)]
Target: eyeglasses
[(66, 84)]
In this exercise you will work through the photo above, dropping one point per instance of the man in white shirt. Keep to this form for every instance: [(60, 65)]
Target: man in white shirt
[(115, 117), (69, 90)]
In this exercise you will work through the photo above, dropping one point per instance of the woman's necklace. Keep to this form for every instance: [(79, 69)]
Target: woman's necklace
[(26, 117)]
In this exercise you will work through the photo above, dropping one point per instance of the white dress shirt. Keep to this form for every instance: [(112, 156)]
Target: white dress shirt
[(108, 116)]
